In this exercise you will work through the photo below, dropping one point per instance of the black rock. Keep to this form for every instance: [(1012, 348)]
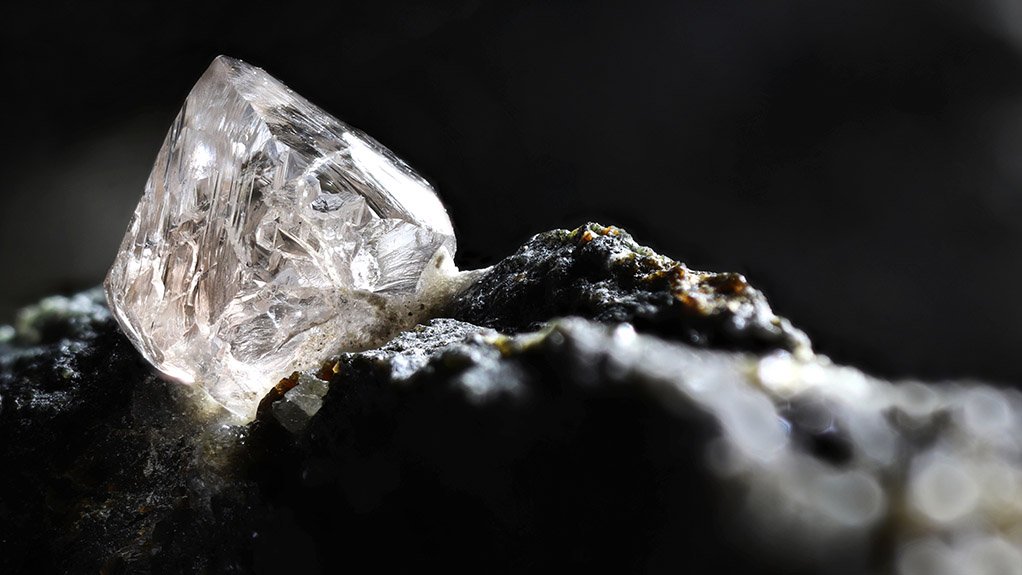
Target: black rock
[(106, 468), (452, 446), (601, 273)]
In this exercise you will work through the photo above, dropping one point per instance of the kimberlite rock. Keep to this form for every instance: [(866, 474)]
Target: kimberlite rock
[(586, 404)]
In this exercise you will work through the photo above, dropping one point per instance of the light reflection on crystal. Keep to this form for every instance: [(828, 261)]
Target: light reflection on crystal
[(270, 235)]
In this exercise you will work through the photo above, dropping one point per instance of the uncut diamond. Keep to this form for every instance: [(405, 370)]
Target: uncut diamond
[(269, 236)]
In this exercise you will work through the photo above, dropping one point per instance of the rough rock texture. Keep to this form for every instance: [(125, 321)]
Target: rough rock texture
[(600, 272), (603, 445), (106, 467)]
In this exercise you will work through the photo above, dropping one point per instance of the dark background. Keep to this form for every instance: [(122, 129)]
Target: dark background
[(860, 161)]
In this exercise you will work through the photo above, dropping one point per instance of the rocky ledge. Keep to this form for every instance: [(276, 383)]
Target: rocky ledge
[(587, 403)]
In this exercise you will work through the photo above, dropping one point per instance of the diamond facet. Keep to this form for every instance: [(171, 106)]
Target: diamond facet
[(269, 236)]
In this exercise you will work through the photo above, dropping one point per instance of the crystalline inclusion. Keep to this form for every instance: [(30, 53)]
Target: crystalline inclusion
[(269, 236)]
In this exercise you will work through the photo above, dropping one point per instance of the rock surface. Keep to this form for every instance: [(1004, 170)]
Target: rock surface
[(601, 273), (106, 468), (674, 425)]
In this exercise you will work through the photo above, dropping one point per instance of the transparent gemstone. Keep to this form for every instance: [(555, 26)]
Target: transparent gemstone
[(269, 236)]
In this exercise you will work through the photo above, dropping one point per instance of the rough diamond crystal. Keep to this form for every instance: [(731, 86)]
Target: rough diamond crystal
[(269, 236)]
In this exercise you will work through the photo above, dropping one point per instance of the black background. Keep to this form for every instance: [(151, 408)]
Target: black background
[(861, 162)]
